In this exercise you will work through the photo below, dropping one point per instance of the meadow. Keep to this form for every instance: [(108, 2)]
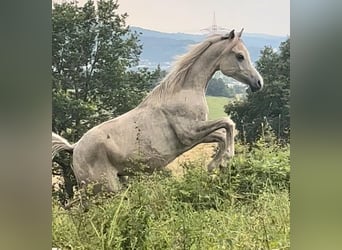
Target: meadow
[(245, 205), (242, 206), (216, 106)]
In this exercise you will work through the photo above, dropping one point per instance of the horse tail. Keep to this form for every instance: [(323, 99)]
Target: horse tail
[(59, 143)]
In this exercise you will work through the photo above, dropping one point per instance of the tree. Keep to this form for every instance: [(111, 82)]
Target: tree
[(157, 76), (272, 104), (93, 53), (217, 87)]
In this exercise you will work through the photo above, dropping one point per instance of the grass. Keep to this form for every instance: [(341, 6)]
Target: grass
[(245, 206), (163, 222), (216, 106)]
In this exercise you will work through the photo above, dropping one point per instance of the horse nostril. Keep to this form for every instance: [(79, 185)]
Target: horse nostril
[(259, 84)]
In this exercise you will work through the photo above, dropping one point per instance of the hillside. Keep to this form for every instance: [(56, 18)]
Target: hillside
[(161, 47)]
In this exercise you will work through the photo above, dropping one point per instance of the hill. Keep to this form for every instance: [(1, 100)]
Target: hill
[(161, 47)]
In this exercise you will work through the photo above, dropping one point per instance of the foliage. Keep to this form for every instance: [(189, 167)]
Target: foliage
[(93, 51), (272, 104), (245, 206), (217, 87), (158, 74)]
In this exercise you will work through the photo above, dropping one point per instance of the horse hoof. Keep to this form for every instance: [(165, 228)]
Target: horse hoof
[(211, 167), (230, 154)]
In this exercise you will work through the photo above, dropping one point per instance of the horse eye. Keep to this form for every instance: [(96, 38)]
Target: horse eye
[(240, 57)]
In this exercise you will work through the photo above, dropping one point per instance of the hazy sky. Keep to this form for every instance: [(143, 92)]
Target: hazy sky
[(190, 16)]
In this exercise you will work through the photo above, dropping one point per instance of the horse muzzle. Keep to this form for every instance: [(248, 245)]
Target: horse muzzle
[(257, 85)]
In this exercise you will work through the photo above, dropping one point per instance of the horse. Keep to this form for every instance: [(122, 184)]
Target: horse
[(171, 119)]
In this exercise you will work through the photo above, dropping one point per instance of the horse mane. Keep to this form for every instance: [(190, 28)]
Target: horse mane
[(179, 71)]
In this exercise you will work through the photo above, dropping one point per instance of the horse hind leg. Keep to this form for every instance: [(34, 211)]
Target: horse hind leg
[(93, 166), (112, 181), (98, 178), (108, 182)]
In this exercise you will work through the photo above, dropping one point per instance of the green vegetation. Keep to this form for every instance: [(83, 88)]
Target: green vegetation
[(270, 106), (216, 106), (217, 87), (93, 52), (244, 206)]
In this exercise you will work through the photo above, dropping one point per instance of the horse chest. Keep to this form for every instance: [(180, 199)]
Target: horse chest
[(194, 112)]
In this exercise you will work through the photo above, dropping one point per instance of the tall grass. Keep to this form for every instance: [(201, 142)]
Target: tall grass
[(243, 206)]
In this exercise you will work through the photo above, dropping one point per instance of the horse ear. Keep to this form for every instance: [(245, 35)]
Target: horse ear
[(231, 35), (240, 33)]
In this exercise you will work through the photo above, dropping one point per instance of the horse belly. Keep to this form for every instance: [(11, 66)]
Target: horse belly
[(155, 143), (162, 149), (143, 137)]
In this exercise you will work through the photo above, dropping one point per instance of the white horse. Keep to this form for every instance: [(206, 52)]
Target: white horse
[(172, 119)]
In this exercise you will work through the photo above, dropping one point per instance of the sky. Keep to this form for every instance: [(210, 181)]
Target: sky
[(190, 16)]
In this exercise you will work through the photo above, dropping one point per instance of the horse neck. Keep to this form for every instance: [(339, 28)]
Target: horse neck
[(196, 79), (203, 69)]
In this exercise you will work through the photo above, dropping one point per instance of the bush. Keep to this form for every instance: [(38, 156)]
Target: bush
[(245, 206)]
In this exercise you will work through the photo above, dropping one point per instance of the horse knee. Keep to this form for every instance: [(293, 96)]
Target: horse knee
[(230, 123)]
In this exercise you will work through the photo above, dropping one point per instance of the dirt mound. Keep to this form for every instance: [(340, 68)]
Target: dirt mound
[(200, 154)]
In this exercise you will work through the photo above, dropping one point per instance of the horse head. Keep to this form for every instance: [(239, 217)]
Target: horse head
[(236, 62)]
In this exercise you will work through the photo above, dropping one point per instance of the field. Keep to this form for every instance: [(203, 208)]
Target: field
[(245, 205), (216, 106)]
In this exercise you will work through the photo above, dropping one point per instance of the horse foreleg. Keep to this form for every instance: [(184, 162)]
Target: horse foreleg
[(200, 131), (220, 138)]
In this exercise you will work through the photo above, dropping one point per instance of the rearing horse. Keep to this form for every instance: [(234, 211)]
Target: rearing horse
[(172, 119)]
